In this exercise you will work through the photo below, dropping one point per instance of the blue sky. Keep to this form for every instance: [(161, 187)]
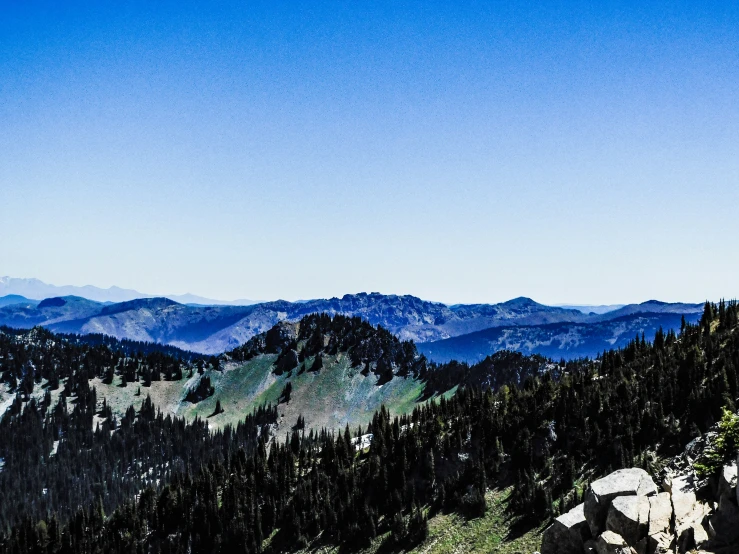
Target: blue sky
[(463, 152)]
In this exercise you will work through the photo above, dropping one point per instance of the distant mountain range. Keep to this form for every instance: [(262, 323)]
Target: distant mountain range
[(555, 340), (598, 309), (519, 324), (38, 290), (11, 299)]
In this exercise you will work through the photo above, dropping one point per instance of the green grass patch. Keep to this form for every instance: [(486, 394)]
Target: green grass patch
[(495, 532), (333, 397)]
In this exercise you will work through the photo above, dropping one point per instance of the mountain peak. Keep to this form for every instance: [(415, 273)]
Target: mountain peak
[(139, 303), (521, 301), (54, 302)]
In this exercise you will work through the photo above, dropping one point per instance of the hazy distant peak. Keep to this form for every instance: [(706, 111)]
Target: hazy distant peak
[(139, 303), (598, 309), (521, 301), (38, 290), (10, 299), (32, 288), (52, 302), (58, 301)]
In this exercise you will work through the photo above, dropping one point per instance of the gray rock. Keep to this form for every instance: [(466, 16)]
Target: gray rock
[(694, 536), (723, 527), (688, 511), (647, 487), (660, 514), (567, 534), (612, 543), (727, 481), (660, 543), (600, 494), (628, 516)]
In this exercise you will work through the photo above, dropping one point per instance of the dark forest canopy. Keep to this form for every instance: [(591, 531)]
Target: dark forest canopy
[(55, 458), (131, 347), (553, 424)]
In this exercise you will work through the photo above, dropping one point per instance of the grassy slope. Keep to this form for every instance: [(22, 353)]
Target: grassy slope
[(333, 397), (450, 533)]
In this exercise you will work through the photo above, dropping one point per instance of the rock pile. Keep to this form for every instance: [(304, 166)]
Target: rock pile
[(626, 513)]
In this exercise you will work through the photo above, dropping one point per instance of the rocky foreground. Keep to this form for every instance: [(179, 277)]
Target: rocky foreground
[(627, 513)]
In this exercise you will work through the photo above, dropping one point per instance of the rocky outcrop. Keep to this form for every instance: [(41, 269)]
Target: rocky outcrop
[(568, 533), (727, 481), (624, 482), (612, 543), (629, 517), (660, 543), (660, 514), (625, 513), (688, 511), (723, 526)]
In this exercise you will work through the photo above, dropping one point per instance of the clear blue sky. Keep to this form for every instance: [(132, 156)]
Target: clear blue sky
[(583, 152)]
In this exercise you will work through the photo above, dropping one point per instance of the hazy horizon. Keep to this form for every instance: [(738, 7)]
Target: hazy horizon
[(144, 293)]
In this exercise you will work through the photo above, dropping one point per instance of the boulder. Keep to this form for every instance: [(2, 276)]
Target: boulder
[(647, 486), (660, 514), (692, 537), (612, 543), (727, 481), (688, 511), (567, 534), (628, 516), (723, 527), (660, 543), (600, 494)]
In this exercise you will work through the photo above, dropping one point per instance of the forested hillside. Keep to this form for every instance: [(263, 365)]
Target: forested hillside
[(555, 340), (61, 448), (560, 425)]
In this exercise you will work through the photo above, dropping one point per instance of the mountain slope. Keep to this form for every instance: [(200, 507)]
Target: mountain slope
[(557, 340), (360, 369), (48, 312), (652, 307), (215, 329), (10, 299)]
